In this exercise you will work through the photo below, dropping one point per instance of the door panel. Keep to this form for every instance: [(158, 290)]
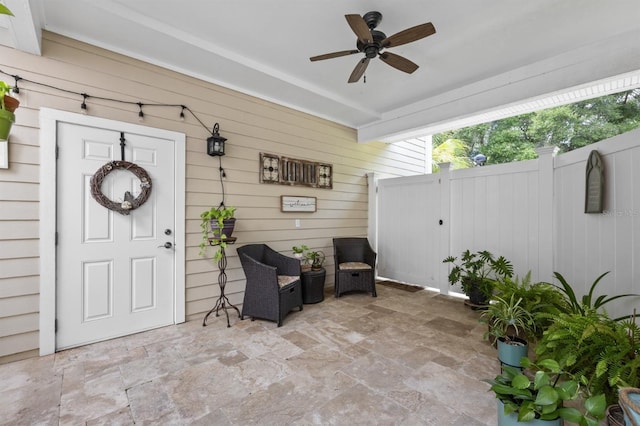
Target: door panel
[(114, 276)]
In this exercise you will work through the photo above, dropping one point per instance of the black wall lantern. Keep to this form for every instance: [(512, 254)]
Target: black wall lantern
[(215, 143)]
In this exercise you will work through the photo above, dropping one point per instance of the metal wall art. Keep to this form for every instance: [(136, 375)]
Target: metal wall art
[(291, 171), (594, 186)]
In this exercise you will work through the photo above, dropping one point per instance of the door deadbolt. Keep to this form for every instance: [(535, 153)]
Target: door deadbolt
[(167, 231)]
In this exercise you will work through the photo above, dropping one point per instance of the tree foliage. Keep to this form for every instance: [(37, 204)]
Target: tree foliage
[(567, 127)]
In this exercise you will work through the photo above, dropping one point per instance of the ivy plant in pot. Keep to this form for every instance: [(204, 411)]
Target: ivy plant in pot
[(537, 396), (7, 107), (217, 225), (477, 272), (512, 326)]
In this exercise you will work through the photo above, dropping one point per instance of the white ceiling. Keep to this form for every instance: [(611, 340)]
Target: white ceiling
[(486, 54)]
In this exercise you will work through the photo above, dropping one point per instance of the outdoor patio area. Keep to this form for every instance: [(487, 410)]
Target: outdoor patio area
[(410, 358)]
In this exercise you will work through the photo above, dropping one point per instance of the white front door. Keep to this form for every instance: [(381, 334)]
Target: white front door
[(114, 274)]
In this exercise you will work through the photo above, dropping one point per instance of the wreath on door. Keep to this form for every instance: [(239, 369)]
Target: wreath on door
[(129, 202)]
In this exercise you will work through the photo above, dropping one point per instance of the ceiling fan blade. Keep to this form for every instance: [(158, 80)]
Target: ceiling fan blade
[(398, 62), (409, 35), (360, 28), (359, 70), (333, 55)]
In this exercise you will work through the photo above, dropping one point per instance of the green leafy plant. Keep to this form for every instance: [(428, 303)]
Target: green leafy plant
[(588, 302), (509, 319), (315, 258), (300, 250), (212, 234), (4, 10), (605, 351), (542, 300), (4, 90), (479, 269), (540, 391)]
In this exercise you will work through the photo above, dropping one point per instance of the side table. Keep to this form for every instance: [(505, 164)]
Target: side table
[(313, 285), (222, 302)]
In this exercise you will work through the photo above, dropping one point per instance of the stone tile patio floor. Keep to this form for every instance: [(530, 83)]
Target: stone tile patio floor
[(402, 358)]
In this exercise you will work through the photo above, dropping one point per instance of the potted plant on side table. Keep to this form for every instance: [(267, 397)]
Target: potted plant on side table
[(299, 252), (536, 396), (477, 272)]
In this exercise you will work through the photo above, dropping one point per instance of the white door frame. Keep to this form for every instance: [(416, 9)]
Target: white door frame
[(48, 195)]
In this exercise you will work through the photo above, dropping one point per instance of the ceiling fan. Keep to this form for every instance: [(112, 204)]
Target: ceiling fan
[(373, 43)]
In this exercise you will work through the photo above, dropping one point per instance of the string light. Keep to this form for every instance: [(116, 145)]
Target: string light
[(16, 89), (83, 105), (85, 96)]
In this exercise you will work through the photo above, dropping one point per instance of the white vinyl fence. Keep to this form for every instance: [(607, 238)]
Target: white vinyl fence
[(532, 212)]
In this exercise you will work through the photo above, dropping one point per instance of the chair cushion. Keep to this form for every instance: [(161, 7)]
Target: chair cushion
[(353, 265), (284, 280)]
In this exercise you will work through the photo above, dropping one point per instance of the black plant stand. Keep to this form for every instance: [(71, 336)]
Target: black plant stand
[(222, 302)]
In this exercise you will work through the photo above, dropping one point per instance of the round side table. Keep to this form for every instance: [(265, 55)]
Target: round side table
[(313, 286)]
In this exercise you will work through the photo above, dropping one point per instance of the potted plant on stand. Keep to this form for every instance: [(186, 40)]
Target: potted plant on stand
[(477, 273), (7, 107), (217, 225), (512, 325), (537, 395)]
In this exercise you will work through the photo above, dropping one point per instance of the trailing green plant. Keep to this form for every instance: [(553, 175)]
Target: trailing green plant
[(540, 391), (542, 300), (4, 10), (590, 344), (4, 90), (588, 301), (213, 235), (478, 269), (509, 319)]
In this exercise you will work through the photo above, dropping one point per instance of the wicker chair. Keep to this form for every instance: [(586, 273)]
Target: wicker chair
[(273, 283), (355, 263)]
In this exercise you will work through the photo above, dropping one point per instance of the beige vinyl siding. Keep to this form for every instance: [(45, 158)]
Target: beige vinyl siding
[(251, 126)]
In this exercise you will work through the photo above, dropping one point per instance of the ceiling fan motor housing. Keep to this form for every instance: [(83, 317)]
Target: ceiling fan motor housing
[(372, 49)]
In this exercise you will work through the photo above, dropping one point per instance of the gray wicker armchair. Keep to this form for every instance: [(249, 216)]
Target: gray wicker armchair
[(273, 283), (355, 265)]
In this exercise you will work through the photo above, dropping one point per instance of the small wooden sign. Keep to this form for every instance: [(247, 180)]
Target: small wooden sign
[(594, 184), (291, 203)]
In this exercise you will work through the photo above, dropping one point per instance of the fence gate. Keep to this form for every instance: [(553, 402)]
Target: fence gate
[(412, 230)]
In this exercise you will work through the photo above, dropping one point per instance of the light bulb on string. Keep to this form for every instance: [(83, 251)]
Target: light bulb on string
[(182, 112), (140, 113), (83, 105)]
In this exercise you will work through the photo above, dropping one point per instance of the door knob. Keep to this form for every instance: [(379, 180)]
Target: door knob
[(167, 245)]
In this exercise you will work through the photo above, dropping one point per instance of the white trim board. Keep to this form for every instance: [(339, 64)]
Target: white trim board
[(49, 119)]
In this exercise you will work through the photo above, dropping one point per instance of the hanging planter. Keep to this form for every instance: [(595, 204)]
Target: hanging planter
[(7, 107)]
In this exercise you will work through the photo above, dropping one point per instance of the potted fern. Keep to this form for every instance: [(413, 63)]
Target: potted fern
[(217, 225)]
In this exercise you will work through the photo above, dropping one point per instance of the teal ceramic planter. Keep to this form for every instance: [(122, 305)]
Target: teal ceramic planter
[(510, 353), (630, 404), (512, 419), (7, 118)]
